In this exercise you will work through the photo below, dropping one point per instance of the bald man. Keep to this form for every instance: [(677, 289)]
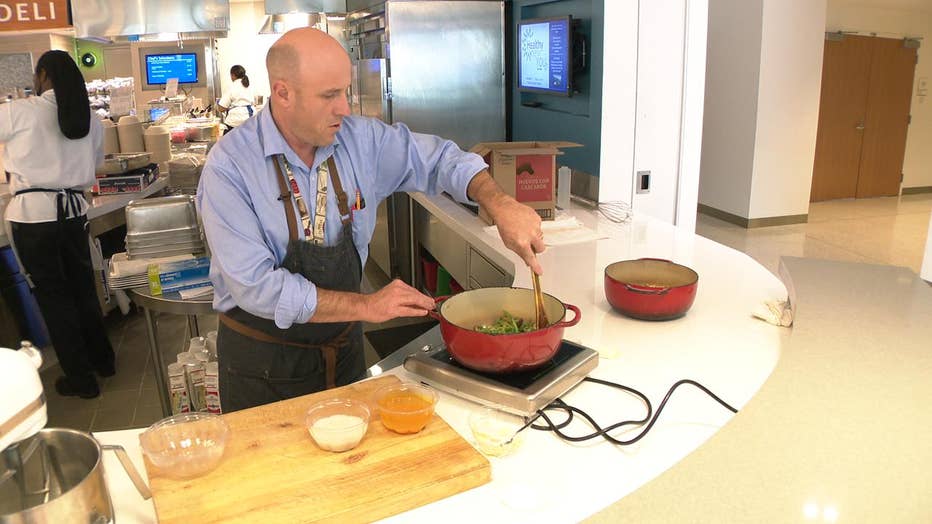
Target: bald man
[(288, 200)]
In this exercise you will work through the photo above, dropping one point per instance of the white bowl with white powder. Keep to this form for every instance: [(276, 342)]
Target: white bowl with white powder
[(338, 424)]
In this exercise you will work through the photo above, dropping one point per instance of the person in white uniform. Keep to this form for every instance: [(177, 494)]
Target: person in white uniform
[(238, 101), (53, 144)]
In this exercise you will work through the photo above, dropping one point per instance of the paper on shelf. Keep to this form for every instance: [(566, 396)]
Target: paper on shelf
[(195, 292), (563, 230)]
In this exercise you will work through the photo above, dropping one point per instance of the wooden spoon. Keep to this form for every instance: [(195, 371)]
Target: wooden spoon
[(541, 315)]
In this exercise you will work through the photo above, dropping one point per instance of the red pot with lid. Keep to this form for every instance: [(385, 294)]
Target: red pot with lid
[(650, 288), (459, 315)]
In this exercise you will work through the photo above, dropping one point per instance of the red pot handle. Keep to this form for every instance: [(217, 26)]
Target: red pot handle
[(647, 291), (434, 314), (570, 323)]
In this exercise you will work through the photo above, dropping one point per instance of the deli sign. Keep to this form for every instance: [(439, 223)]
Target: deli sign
[(42, 14)]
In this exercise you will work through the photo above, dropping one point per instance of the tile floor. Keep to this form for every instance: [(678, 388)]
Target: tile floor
[(881, 230), (890, 230), (129, 398)]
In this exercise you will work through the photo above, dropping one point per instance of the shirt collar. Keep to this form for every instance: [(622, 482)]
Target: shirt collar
[(273, 143)]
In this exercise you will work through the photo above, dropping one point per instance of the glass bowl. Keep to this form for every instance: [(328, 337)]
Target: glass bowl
[(492, 429), (406, 407), (186, 445), (338, 424)]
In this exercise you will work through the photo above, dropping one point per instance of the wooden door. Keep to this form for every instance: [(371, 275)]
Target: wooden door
[(888, 100), (863, 118), (846, 76)]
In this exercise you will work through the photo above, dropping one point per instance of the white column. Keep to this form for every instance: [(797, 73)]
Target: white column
[(619, 98)]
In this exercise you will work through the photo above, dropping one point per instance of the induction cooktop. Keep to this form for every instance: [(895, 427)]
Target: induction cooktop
[(520, 393)]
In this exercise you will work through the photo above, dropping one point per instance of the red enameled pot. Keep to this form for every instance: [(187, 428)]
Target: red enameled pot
[(460, 314), (650, 288)]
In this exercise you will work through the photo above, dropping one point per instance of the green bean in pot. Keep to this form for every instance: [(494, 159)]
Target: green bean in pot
[(506, 324)]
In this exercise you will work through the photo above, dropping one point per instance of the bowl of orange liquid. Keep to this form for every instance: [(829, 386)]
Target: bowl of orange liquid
[(406, 407)]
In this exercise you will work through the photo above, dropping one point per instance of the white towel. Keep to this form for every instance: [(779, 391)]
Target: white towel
[(563, 230), (776, 312)]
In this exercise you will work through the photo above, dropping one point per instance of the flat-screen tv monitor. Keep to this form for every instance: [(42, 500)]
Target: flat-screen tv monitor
[(545, 55), (161, 67)]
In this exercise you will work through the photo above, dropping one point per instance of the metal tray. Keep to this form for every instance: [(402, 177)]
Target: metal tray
[(160, 215), (191, 246), (168, 234), (162, 241), (133, 256), (115, 164)]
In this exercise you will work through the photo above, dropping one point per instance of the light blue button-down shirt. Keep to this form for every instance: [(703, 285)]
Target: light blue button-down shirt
[(245, 221)]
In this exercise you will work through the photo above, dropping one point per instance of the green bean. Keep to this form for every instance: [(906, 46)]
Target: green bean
[(506, 324)]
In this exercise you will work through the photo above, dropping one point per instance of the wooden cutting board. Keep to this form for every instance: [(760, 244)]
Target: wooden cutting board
[(273, 472)]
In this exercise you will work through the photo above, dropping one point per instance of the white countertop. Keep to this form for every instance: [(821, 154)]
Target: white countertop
[(717, 343), (840, 431)]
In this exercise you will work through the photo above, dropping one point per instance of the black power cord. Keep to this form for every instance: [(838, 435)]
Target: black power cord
[(648, 419)]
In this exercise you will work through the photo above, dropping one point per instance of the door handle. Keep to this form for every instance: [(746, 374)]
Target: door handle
[(860, 126)]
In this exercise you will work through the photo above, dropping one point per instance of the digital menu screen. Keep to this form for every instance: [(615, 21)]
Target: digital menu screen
[(183, 66), (544, 58)]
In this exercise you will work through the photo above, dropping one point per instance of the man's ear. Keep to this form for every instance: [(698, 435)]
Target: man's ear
[(283, 93)]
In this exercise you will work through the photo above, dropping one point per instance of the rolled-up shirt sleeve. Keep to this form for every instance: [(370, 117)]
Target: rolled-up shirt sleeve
[(6, 122), (242, 256), (408, 161)]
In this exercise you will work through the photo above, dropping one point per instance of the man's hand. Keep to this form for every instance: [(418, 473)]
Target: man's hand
[(518, 224), (397, 299)]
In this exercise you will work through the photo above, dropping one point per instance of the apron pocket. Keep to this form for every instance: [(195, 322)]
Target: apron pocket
[(255, 373)]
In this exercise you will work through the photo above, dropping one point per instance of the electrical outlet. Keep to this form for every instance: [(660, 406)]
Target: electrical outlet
[(643, 182)]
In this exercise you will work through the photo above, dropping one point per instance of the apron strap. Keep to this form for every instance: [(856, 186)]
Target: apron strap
[(63, 209), (287, 201), (327, 349), (342, 201)]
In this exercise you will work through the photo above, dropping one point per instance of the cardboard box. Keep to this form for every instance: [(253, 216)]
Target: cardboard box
[(524, 170), (130, 182), (176, 276)]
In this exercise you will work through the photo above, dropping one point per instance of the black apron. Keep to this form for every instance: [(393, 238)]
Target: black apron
[(261, 363), (64, 208)]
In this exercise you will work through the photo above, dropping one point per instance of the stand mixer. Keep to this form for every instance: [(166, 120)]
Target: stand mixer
[(48, 474), (22, 412)]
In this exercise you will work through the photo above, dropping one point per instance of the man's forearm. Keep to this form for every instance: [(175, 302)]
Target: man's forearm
[(484, 190), (339, 306), (518, 225), (397, 299)]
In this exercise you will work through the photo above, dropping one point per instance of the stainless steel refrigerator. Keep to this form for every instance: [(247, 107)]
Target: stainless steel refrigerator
[(437, 66)]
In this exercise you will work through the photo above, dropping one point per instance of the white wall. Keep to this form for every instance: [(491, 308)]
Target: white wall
[(661, 34), (792, 40), (892, 23), (687, 193), (730, 117), (653, 120), (763, 81), (619, 77), (246, 47)]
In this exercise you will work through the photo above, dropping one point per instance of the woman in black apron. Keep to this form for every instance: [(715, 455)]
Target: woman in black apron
[(262, 363), (51, 153)]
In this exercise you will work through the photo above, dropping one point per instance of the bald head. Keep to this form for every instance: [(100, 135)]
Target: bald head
[(301, 49), (309, 76)]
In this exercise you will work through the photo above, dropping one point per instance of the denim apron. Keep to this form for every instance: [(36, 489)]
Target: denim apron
[(261, 363)]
